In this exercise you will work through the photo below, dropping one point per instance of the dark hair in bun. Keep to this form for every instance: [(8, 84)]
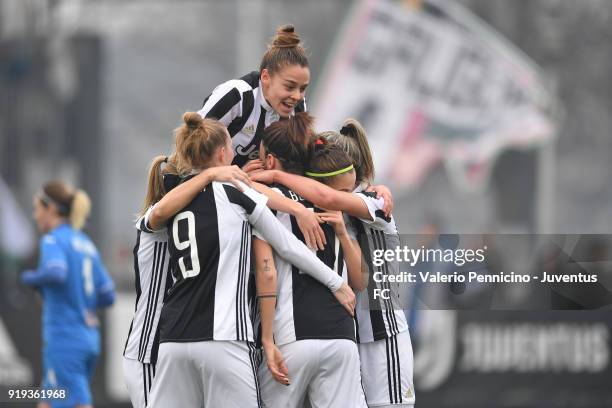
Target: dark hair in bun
[(288, 139)]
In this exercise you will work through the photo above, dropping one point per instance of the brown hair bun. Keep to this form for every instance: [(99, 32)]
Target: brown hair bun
[(286, 37)]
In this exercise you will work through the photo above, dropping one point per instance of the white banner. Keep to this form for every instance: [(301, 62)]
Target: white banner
[(431, 83)]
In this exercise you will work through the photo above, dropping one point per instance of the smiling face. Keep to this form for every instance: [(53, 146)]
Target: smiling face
[(285, 88)]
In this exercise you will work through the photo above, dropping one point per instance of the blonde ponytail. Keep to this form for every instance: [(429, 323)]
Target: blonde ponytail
[(71, 204), (155, 184), (79, 209)]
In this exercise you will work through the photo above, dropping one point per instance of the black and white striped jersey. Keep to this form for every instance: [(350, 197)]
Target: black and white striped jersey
[(240, 105), (377, 318), (210, 258), (152, 280), (305, 308)]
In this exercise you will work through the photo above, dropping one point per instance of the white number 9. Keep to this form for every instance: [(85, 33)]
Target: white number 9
[(182, 245)]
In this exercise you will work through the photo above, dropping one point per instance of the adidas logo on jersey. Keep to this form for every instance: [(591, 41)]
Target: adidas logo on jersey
[(249, 130)]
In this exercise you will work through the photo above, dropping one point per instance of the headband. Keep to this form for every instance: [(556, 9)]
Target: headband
[(330, 174), (63, 209)]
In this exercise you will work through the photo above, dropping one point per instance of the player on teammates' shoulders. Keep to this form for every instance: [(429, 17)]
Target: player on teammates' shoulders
[(248, 105)]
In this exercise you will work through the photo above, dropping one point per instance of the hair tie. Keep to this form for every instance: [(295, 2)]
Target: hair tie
[(330, 174), (345, 130), (166, 159)]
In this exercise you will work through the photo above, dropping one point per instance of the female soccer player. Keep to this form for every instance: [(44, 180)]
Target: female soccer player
[(384, 342), (73, 283), (152, 280), (312, 341), (151, 263), (248, 105), (206, 356)]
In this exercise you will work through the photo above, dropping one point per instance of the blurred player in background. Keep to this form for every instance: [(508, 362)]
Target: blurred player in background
[(206, 353), (312, 342), (73, 283), (152, 279), (345, 164)]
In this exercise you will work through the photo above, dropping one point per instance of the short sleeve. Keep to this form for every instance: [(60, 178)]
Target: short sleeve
[(51, 253), (379, 220), (144, 225), (375, 206)]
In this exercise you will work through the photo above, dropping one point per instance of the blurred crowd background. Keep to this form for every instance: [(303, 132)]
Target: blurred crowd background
[(91, 90)]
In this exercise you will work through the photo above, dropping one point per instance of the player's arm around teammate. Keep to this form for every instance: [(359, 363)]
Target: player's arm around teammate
[(307, 220), (265, 279), (355, 265), (384, 341), (391, 341), (205, 340), (151, 266), (315, 336), (170, 204), (174, 200), (317, 192), (177, 198)]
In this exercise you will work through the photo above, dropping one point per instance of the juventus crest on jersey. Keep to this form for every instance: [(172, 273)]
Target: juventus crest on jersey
[(240, 105)]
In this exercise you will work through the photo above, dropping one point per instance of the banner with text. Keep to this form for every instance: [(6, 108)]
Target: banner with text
[(432, 83)]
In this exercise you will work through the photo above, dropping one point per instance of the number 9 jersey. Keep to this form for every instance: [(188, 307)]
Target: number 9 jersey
[(210, 250)]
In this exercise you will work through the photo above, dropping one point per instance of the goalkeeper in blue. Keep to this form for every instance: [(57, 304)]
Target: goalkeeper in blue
[(73, 283)]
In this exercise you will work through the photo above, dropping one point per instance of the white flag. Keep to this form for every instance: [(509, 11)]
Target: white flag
[(432, 83)]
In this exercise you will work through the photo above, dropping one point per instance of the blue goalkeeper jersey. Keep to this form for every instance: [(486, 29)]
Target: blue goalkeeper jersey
[(81, 284)]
